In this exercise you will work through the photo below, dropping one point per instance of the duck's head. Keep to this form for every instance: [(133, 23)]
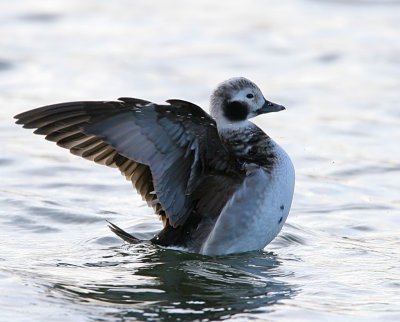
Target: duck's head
[(236, 100)]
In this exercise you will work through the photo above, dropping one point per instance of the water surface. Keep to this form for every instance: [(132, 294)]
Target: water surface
[(334, 64)]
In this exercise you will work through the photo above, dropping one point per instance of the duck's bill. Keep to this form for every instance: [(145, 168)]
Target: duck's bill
[(269, 107)]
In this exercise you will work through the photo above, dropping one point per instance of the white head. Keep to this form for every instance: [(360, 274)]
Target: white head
[(236, 100)]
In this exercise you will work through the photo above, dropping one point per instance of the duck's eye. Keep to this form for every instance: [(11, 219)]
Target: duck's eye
[(250, 95)]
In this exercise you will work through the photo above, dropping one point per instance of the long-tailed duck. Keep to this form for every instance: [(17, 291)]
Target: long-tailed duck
[(219, 183)]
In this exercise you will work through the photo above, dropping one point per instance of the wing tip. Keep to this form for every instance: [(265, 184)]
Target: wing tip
[(122, 233)]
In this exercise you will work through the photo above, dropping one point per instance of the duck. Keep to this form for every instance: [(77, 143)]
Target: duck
[(219, 184)]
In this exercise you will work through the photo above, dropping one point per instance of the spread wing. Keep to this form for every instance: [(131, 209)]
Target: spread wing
[(164, 150)]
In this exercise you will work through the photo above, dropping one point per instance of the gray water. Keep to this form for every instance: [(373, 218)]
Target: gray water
[(335, 65)]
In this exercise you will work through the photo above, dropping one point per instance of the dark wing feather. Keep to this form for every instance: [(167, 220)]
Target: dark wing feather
[(64, 124), (163, 149)]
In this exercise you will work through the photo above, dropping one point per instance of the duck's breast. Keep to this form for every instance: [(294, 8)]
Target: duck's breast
[(257, 210)]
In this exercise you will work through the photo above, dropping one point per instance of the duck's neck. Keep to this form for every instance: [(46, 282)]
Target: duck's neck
[(226, 128)]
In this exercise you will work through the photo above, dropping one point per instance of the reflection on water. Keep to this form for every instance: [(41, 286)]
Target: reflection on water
[(335, 66), (165, 283)]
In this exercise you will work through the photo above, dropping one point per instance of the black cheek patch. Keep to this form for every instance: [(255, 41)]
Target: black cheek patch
[(235, 111)]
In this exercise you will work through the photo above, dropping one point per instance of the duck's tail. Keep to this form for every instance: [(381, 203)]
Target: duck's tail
[(123, 234)]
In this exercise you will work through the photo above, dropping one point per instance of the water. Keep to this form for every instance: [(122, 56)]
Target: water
[(334, 64)]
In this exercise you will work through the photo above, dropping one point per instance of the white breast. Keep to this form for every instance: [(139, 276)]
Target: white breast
[(256, 212)]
